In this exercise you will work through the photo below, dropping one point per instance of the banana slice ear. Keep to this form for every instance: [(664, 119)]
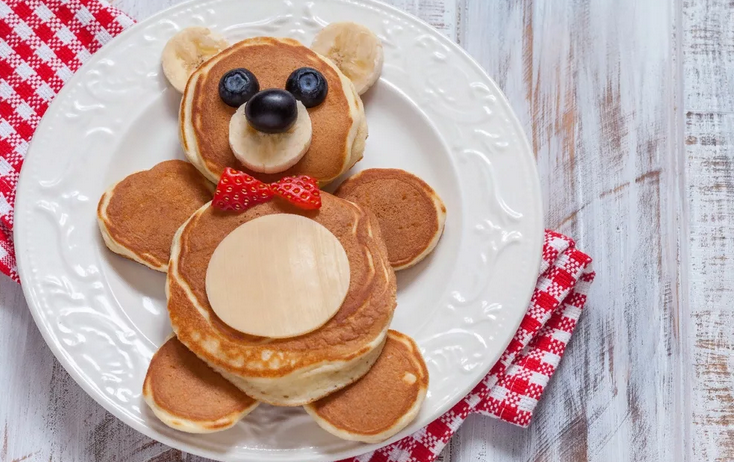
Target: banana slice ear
[(354, 49), (186, 51)]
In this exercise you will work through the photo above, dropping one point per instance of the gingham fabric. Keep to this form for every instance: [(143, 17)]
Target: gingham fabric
[(513, 387), (42, 43)]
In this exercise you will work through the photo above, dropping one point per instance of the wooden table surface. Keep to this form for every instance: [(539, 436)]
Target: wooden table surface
[(629, 106)]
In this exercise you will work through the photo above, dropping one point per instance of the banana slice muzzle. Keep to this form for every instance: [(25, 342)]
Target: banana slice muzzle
[(269, 152)]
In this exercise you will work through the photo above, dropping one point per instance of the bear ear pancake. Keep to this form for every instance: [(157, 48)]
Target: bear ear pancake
[(355, 50)]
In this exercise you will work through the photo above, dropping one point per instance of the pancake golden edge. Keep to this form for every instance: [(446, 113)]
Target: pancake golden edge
[(105, 222), (357, 134), (441, 215), (335, 413), (376, 174), (187, 371), (301, 385)]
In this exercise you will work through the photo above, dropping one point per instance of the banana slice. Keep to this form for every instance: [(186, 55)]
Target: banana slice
[(186, 51), (355, 50), (269, 152)]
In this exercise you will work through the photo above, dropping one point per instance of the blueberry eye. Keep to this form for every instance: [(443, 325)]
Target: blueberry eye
[(237, 86), (308, 85)]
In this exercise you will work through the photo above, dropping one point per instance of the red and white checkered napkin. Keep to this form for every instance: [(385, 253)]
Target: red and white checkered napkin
[(42, 43), (513, 387)]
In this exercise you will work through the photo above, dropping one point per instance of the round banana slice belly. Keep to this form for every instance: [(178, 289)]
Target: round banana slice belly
[(186, 51), (269, 152), (278, 276), (355, 50)]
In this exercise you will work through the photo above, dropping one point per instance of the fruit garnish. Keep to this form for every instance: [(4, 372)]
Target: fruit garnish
[(301, 191), (308, 85), (355, 50), (237, 86), (239, 191), (185, 51), (272, 111), (269, 152)]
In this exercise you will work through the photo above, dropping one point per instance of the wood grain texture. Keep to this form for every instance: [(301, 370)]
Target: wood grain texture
[(595, 85), (708, 57), (629, 106)]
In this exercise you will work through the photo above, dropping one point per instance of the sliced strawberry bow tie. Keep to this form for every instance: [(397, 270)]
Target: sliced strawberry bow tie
[(302, 191), (237, 191)]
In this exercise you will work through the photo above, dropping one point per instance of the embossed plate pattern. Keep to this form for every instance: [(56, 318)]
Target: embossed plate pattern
[(434, 112)]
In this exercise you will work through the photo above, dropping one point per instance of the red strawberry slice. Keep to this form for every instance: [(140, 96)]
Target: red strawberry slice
[(239, 191), (301, 191)]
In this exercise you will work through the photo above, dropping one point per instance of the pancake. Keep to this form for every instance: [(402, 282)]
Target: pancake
[(290, 371), (381, 403), (410, 213), (139, 216), (188, 395), (339, 124)]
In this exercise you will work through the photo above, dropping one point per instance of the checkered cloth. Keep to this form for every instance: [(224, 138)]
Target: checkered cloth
[(42, 43), (513, 387)]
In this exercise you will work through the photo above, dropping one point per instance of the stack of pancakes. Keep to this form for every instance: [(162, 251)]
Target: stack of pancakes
[(209, 376), (291, 371)]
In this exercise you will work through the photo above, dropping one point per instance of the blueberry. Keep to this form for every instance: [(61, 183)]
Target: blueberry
[(308, 85), (272, 111), (237, 86)]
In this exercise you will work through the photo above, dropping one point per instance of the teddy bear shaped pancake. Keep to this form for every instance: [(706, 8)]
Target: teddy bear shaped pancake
[(277, 292)]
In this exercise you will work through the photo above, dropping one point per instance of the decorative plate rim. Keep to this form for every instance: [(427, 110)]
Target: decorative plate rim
[(27, 271)]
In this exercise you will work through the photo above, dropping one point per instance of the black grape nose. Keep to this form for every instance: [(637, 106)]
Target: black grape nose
[(272, 111)]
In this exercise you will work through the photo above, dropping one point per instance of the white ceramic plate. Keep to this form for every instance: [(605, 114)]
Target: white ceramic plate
[(434, 112)]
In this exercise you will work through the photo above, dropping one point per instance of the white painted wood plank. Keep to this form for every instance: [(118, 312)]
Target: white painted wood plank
[(708, 107), (594, 83)]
